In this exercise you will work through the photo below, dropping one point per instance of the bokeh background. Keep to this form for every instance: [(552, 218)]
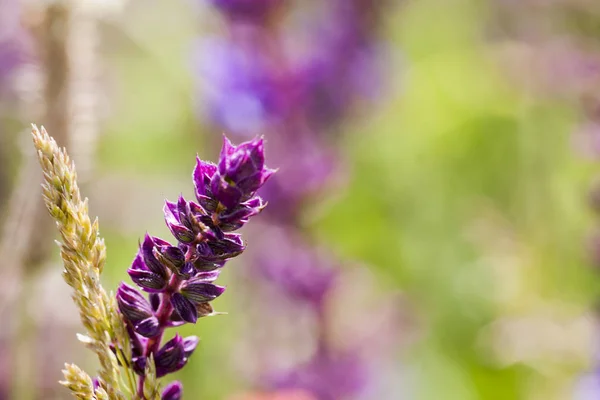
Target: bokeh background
[(450, 172)]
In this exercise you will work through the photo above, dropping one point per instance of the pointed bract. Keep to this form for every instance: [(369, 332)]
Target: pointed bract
[(173, 391), (201, 292), (147, 280), (185, 308), (241, 172), (132, 304), (150, 260), (148, 327), (137, 310), (171, 357)]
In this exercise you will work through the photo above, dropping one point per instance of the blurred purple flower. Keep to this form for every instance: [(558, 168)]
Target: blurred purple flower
[(296, 88), (247, 9), (10, 59), (327, 377), (13, 41), (299, 270), (243, 90)]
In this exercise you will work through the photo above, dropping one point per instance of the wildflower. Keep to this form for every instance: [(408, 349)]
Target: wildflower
[(179, 278)]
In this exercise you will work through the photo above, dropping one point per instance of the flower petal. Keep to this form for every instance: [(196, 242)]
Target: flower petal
[(184, 307)]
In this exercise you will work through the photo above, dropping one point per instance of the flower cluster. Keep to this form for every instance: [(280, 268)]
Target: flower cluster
[(179, 278)]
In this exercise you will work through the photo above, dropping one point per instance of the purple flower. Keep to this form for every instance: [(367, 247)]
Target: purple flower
[(240, 173), (174, 354), (185, 309), (327, 377), (179, 278), (146, 271), (137, 310), (243, 90), (300, 271), (10, 58), (234, 219), (197, 290), (174, 259), (180, 220), (173, 391), (193, 293)]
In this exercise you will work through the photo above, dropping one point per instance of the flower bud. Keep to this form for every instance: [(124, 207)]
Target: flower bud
[(198, 291), (215, 251), (147, 280), (146, 271), (149, 258), (174, 354), (172, 257), (137, 310), (234, 219), (175, 224), (173, 391), (240, 172), (184, 307), (203, 173), (170, 357)]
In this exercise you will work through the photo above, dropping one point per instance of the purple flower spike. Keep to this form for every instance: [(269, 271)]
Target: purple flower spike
[(173, 391), (137, 310), (299, 270), (179, 277)]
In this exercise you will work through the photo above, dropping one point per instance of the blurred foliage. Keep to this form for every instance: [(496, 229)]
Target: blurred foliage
[(453, 146)]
